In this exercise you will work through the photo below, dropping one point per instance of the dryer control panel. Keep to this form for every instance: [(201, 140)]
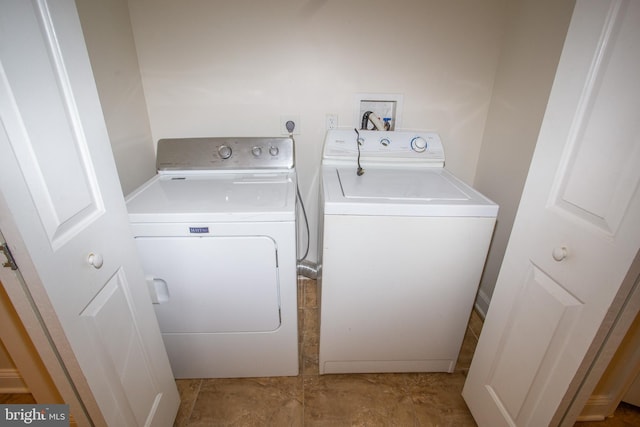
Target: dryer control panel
[(225, 154)]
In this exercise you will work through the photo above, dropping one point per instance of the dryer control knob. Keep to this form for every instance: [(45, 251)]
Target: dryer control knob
[(385, 142), (274, 150), (418, 144), (224, 151), (256, 151)]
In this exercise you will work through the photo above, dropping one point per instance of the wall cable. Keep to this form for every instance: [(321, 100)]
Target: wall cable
[(290, 125)]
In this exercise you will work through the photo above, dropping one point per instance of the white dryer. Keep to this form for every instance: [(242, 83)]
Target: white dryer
[(402, 247), (215, 229)]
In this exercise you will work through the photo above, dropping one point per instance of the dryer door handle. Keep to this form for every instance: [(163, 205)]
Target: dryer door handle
[(158, 290)]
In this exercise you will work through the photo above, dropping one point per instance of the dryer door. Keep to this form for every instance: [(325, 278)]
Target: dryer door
[(212, 284)]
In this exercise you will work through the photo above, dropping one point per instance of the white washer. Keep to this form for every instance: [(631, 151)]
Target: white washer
[(215, 229), (401, 249)]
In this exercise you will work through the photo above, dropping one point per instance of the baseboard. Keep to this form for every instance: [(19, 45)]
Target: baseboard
[(596, 409), (11, 382)]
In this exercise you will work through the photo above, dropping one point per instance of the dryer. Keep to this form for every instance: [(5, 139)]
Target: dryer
[(401, 250), (215, 230)]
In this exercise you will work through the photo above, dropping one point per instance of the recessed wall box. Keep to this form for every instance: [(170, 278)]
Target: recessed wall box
[(387, 107)]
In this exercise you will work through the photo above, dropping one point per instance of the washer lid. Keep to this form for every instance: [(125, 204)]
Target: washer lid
[(387, 184), (405, 192), (219, 198)]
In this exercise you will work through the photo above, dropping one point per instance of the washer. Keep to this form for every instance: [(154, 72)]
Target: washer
[(401, 251), (215, 229)]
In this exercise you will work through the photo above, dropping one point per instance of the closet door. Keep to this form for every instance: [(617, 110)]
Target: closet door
[(66, 220), (576, 232)]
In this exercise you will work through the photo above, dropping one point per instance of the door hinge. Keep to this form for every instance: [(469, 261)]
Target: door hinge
[(11, 263)]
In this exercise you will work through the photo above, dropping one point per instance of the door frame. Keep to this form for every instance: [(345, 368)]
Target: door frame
[(29, 298)]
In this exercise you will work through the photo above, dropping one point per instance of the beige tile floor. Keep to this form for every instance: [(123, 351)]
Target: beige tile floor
[(336, 400)]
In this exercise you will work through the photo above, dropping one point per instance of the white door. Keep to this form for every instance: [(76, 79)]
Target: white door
[(59, 181), (577, 230)]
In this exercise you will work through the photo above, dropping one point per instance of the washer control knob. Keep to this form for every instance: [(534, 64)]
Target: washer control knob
[(273, 150), (224, 151), (418, 144), (256, 151), (385, 141)]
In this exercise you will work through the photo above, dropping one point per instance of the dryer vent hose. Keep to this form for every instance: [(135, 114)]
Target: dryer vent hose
[(307, 269)]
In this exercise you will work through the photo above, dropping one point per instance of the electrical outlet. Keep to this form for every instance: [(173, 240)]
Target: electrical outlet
[(332, 121), (283, 124)]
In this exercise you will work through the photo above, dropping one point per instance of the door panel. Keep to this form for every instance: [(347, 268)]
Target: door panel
[(529, 337), (66, 194), (599, 172), (110, 320), (576, 232)]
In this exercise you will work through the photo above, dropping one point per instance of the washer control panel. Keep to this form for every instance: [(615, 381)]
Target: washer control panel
[(403, 147), (225, 154)]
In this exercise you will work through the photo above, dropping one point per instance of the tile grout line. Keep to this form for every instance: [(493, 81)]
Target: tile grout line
[(193, 404)]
